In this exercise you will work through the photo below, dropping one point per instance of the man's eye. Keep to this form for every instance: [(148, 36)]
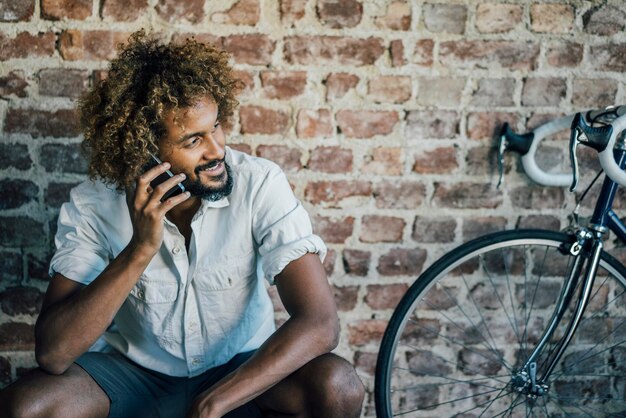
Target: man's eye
[(217, 124), (192, 142)]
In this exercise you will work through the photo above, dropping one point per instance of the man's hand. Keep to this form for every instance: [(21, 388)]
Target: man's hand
[(147, 211), (203, 408)]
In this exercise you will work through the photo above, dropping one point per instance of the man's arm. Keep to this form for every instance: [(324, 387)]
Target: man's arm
[(73, 316), (311, 330)]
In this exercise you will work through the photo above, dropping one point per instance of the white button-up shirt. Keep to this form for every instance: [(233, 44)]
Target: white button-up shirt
[(191, 311)]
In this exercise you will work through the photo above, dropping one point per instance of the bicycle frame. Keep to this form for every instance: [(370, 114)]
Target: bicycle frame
[(603, 219)]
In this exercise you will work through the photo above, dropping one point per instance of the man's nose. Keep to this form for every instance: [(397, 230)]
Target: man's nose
[(214, 149)]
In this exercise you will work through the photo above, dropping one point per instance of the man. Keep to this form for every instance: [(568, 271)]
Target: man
[(171, 283)]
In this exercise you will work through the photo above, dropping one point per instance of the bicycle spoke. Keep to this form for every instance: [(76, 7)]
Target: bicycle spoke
[(452, 380)]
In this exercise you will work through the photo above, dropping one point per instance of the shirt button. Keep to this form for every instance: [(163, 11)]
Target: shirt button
[(195, 362), (140, 294), (176, 250)]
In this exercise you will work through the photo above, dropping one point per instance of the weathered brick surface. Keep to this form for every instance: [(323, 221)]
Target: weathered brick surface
[(383, 114), (497, 18), (66, 9), (339, 13), (441, 17), (330, 160), (15, 11)]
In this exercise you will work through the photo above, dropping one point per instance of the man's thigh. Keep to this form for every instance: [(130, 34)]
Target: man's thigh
[(39, 394), (327, 386)]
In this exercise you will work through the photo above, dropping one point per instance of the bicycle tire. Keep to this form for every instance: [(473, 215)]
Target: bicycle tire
[(441, 361)]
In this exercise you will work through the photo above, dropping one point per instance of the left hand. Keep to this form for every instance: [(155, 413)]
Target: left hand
[(203, 408)]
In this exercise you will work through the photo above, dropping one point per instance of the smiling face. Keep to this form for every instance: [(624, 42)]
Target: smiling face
[(194, 144)]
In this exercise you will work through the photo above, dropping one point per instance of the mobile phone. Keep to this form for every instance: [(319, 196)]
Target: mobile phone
[(176, 190)]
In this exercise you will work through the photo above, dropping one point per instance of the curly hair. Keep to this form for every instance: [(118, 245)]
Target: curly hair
[(122, 116)]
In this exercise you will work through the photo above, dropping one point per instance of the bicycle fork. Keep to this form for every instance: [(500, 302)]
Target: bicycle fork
[(527, 380)]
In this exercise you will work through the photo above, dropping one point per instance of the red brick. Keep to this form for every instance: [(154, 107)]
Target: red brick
[(385, 296), (260, 120), (608, 57), (356, 262), (604, 20), (366, 123), (483, 125), (62, 82), (283, 84), (329, 262), (514, 55), (63, 158), (540, 221), (338, 14), (552, 18), (20, 231), (402, 262), (433, 230), (174, 11), (592, 93), (123, 10), (13, 84), (243, 12), (498, 18), (494, 92), (564, 54), (25, 45), (291, 11), (537, 197), (251, 49), (384, 161), (467, 196), (398, 17), (390, 89), (37, 123), (330, 160), (478, 226), (345, 297), (396, 52), (365, 363), (369, 331), (338, 84), (423, 53), (432, 124), (333, 50), (287, 158), (442, 17), (14, 156), (439, 160), (314, 123), (16, 193), (248, 80), (77, 45), (17, 336), (16, 11), (375, 228), (204, 37), (21, 301), (481, 161), (399, 194), (440, 91), (333, 231), (66, 9), (333, 192), (543, 91)]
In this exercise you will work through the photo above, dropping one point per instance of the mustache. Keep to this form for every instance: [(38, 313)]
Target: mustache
[(210, 164)]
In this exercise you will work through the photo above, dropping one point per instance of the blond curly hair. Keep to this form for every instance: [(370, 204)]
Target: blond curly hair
[(122, 116)]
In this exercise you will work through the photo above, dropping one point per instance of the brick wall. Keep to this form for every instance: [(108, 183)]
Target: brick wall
[(382, 113)]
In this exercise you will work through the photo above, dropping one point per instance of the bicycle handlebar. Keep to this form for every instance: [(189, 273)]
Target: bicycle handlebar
[(602, 139)]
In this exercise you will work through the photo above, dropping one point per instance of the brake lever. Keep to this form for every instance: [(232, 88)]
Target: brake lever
[(582, 133), (509, 140)]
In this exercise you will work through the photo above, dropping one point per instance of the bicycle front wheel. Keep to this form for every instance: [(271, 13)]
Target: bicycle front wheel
[(463, 332)]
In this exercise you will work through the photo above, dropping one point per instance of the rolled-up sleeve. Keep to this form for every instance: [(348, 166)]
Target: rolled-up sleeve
[(80, 254), (281, 226)]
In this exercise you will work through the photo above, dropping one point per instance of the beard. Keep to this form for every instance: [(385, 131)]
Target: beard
[(213, 193)]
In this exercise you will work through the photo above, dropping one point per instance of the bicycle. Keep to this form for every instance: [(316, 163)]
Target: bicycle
[(519, 322)]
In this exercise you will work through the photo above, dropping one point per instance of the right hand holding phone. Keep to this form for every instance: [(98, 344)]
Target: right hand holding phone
[(146, 209)]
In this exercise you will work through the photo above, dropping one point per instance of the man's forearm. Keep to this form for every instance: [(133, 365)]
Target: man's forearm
[(66, 329), (293, 345)]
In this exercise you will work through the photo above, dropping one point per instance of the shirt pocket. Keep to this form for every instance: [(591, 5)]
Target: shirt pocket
[(152, 304), (229, 273)]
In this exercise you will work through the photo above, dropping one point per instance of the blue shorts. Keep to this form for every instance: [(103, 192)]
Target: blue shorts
[(137, 392)]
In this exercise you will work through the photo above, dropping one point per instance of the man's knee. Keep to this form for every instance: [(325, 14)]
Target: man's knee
[(335, 386), (18, 401)]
